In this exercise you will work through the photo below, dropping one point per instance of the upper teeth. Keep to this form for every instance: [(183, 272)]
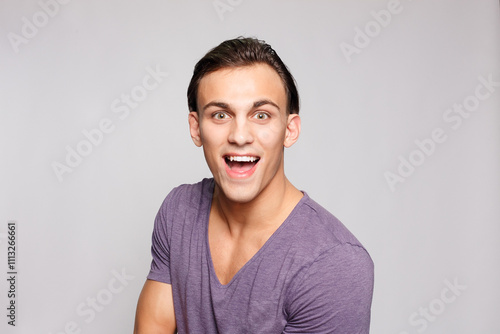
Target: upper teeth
[(242, 159)]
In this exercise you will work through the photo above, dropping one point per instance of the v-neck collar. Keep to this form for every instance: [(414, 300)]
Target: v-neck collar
[(207, 207)]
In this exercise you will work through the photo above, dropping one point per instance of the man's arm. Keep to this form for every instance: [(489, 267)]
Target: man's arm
[(335, 295), (155, 309)]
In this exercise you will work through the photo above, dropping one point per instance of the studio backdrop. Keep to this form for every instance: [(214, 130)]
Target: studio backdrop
[(400, 140)]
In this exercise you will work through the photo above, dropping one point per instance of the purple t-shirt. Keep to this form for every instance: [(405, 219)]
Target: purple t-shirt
[(311, 276)]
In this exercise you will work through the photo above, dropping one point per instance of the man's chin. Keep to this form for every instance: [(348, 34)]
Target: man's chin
[(237, 192)]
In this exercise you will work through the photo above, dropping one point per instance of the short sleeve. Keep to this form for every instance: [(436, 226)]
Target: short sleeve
[(334, 295), (160, 246)]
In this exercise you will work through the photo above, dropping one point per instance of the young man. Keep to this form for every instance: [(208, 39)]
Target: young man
[(246, 251)]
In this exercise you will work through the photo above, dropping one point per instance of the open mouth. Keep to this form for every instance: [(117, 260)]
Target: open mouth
[(241, 164)]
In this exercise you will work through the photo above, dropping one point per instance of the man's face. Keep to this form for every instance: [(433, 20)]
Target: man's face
[(243, 126)]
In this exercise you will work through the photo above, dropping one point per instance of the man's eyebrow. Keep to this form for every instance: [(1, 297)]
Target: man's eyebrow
[(224, 105), (221, 105), (260, 103)]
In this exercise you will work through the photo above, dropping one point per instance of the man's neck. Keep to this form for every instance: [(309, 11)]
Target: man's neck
[(266, 211)]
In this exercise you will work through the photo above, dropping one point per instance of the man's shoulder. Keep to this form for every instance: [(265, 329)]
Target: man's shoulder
[(189, 192), (186, 199), (318, 226)]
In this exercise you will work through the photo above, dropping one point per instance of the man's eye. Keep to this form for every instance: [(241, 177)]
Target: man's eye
[(261, 116), (220, 115)]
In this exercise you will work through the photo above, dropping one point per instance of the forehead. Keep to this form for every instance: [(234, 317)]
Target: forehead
[(242, 85)]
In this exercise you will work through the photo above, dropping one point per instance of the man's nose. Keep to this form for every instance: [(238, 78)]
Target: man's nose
[(240, 132)]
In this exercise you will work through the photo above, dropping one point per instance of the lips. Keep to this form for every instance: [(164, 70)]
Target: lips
[(241, 165)]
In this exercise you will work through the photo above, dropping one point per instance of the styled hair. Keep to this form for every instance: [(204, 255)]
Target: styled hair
[(240, 52)]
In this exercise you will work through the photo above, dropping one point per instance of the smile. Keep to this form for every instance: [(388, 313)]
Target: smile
[(241, 166), (238, 158)]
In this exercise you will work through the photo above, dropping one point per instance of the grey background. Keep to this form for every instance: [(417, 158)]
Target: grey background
[(359, 115)]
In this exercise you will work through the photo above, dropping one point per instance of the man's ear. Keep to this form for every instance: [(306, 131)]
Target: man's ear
[(194, 128), (292, 130)]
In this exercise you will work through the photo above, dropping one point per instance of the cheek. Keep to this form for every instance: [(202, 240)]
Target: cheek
[(273, 132), (277, 126), (270, 138), (211, 136), (264, 134)]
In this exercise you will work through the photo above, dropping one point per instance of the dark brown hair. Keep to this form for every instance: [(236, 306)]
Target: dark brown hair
[(239, 52)]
